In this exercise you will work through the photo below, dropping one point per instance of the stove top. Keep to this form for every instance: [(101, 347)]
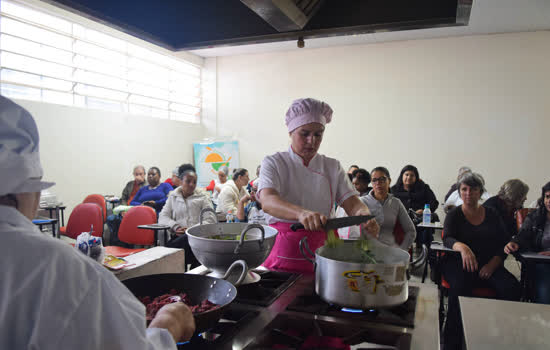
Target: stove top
[(284, 312), (305, 331), (264, 292), (400, 315)]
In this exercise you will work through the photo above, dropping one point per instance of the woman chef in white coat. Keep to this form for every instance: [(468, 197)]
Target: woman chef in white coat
[(51, 295), (303, 186)]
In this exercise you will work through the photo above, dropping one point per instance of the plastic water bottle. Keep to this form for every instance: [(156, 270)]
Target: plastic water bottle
[(426, 215), (229, 217)]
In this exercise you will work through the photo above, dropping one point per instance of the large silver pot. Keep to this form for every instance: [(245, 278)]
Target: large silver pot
[(254, 246), (360, 285)]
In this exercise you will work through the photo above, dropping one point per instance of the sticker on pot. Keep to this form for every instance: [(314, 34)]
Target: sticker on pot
[(370, 278), (394, 290), (353, 285), (400, 273), (388, 270)]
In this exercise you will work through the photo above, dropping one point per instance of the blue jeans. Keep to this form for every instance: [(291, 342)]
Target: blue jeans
[(542, 283)]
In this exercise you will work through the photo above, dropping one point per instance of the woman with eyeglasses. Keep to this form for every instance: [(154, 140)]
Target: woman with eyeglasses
[(301, 186), (397, 230)]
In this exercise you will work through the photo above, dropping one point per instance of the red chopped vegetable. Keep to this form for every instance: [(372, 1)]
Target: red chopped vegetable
[(153, 306)]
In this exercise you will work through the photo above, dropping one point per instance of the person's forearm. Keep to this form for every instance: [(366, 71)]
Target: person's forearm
[(495, 261), (240, 210), (459, 247), (354, 206)]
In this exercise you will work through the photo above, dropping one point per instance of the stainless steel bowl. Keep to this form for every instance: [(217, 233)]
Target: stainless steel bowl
[(254, 246)]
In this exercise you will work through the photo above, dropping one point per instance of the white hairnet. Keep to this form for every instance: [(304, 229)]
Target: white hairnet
[(20, 168)]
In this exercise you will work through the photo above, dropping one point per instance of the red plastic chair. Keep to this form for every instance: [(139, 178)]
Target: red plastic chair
[(99, 200), (83, 217), (129, 232), (521, 214), (399, 235)]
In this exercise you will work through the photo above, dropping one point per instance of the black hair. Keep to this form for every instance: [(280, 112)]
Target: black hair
[(382, 169), (541, 208), (156, 169), (409, 167), (362, 175), (184, 169), (238, 173), (473, 180)]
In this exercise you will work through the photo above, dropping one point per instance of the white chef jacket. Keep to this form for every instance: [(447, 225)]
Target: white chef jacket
[(54, 297), (185, 212), (316, 187)]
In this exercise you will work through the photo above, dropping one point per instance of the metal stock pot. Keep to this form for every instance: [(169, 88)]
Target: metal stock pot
[(360, 285), (218, 255)]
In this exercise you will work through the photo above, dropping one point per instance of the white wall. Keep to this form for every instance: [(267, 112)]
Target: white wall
[(89, 151), (481, 101)]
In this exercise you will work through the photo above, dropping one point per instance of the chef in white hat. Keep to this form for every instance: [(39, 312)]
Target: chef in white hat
[(51, 295)]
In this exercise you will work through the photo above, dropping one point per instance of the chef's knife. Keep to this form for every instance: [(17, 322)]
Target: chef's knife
[(333, 224)]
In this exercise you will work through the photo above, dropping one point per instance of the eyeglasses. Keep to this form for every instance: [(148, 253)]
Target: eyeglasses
[(379, 179)]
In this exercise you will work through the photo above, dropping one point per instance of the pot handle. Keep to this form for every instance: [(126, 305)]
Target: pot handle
[(242, 276), (304, 245), (208, 210), (243, 233)]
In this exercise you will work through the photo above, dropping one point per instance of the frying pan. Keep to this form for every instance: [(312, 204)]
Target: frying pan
[(197, 287)]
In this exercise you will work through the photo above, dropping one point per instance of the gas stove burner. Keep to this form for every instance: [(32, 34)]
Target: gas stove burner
[(358, 311), (400, 315), (232, 321), (264, 292)]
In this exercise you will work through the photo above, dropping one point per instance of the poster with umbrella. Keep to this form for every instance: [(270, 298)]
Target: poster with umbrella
[(211, 156)]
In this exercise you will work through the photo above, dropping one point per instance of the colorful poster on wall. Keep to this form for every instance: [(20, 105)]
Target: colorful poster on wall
[(210, 156)]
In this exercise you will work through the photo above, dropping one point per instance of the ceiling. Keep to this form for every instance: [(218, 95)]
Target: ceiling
[(228, 27)]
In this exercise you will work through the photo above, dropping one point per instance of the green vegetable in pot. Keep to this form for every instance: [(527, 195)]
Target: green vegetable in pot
[(333, 240)]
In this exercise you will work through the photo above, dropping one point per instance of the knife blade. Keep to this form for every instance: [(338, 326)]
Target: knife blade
[(333, 224)]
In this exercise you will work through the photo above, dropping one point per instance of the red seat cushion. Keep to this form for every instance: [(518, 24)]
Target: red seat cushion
[(121, 252), (476, 292)]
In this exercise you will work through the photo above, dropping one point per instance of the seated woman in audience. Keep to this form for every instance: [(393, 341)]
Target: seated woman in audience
[(132, 187), (534, 236), (155, 194), (478, 234), (251, 183), (454, 200), (249, 209), (182, 210), (415, 194), (128, 193), (351, 170), (174, 181), (233, 191), (216, 185), (510, 198), (361, 181), (394, 211)]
